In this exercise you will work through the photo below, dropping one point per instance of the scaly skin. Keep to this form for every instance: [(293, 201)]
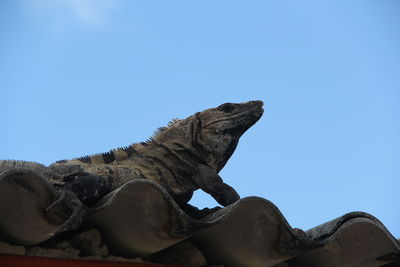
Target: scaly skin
[(184, 156)]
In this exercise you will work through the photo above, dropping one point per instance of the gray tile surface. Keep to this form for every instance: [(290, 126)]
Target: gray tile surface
[(140, 219)]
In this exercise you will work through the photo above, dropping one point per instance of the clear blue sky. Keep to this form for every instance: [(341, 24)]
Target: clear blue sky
[(80, 77)]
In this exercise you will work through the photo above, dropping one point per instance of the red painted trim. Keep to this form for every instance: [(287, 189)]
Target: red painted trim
[(7, 260)]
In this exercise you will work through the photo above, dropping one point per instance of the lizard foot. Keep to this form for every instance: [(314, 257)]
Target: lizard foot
[(67, 211), (197, 213), (299, 233), (223, 194)]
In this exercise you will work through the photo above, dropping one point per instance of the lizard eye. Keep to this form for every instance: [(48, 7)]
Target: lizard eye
[(227, 107)]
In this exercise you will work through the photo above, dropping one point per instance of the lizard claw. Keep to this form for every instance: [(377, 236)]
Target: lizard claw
[(197, 213)]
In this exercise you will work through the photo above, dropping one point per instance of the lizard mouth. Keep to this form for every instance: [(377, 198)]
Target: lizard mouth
[(248, 114), (249, 117), (258, 109)]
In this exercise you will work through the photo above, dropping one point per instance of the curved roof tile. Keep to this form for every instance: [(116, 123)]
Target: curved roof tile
[(141, 219)]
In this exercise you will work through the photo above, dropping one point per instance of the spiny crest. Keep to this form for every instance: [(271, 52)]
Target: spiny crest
[(155, 133), (174, 122), (84, 159), (107, 157), (130, 150), (18, 161), (11, 164), (160, 130)]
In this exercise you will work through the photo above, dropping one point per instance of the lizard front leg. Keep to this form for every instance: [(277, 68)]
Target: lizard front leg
[(210, 182), (89, 188)]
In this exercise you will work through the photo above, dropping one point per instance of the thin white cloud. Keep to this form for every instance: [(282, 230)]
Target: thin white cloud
[(90, 12)]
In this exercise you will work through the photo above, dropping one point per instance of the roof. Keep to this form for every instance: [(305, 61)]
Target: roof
[(141, 220)]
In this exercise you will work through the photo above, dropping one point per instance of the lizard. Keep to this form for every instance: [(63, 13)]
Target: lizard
[(184, 156)]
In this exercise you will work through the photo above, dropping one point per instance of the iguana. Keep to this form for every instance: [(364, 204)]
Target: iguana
[(182, 157)]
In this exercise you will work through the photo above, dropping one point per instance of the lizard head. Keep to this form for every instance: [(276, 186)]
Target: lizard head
[(211, 135), (219, 129)]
